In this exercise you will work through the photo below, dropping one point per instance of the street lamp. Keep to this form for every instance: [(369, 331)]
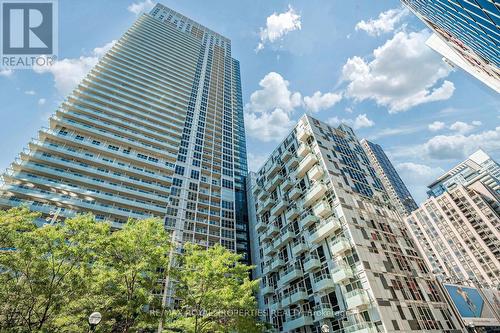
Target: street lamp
[(94, 320), (325, 329)]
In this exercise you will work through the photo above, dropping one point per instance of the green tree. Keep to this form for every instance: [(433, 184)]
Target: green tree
[(215, 292), (53, 277), (42, 269)]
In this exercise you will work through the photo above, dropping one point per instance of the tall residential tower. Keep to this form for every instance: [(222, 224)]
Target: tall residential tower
[(331, 249), (458, 226), (393, 184), (154, 129)]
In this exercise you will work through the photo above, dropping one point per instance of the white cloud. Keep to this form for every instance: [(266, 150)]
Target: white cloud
[(274, 95), (100, 51), (436, 126), (461, 127), (319, 101), (476, 123), (393, 131), (70, 71), (417, 176), (458, 146), (386, 22), (141, 7), (404, 73), (256, 161), (30, 92), (269, 125), (6, 72), (278, 25), (42, 101), (361, 121)]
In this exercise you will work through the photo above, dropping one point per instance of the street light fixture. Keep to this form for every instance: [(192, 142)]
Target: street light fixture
[(94, 320), (325, 329)]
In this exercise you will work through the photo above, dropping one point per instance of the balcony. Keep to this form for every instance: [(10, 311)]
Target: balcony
[(276, 244), (339, 246), (294, 296), (267, 289), (291, 273), (306, 220), (266, 205), (342, 273), (361, 328), (287, 184), (263, 195), (266, 237), (260, 226), (275, 167), (291, 214), (257, 190), (311, 262), (287, 154), (266, 268), (272, 230), (325, 229), (322, 209), (323, 311), (279, 207), (292, 163), (295, 193), (315, 173), (298, 248), (276, 264), (306, 164), (287, 234), (268, 250), (274, 304), (358, 298), (278, 179), (303, 150), (323, 282), (297, 320), (303, 134), (314, 193)]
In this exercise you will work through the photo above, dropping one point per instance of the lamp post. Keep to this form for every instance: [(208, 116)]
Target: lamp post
[(325, 329), (94, 320)]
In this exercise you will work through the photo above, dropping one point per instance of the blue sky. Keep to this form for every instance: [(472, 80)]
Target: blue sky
[(360, 61)]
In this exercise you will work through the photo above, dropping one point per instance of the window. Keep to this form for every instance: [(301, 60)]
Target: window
[(195, 174)]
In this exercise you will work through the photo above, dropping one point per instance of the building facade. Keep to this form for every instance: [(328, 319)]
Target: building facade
[(154, 129), (458, 226), (393, 184), (469, 27), (477, 167), (331, 249)]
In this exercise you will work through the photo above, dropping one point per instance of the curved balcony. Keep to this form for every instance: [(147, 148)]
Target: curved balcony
[(311, 262), (325, 229), (357, 298), (306, 164), (279, 207), (342, 273), (303, 133), (323, 311), (339, 246), (287, 234), (298, 248), (307, 219), (295, 193), (322, 209), (291, 214), (303, 150), (276, 264), (314, 194), (291, 273), (296, 321), (267, 289), (295, 296), (287, 184), (315, 173), (323, 282)]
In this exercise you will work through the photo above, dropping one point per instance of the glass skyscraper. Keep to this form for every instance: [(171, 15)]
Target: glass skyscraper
[(154, 129), (394, 185), (469, 27)]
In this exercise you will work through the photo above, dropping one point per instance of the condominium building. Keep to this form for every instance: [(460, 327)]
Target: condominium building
[(154, 129), (393, 184), (331, 249), (471, 30), (478, 166), (458, 226)]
